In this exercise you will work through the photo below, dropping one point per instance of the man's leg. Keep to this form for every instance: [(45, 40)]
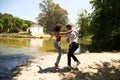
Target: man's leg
[(71, 50), (75, 46)]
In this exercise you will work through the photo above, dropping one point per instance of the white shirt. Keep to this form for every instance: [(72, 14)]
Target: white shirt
[(73, 36)]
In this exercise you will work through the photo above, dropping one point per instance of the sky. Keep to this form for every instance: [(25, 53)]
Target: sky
[(29, 9)]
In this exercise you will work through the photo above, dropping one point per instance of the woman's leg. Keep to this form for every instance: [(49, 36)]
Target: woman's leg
[(58, 49), (59, 55)]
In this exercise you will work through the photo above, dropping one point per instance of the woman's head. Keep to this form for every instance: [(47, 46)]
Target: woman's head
[(57, 27)]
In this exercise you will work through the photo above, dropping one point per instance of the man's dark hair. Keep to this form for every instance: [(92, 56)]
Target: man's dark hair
[(68, 26)]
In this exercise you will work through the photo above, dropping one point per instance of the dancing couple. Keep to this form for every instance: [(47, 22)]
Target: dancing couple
[(72, 38)]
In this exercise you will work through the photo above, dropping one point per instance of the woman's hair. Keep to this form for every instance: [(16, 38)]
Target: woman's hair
[(57, 27)]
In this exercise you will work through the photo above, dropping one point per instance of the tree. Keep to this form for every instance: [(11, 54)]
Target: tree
[(83, 22), (106, 24), (1, 27), (51, 14), (1, 23), (29, 23), (9, 23)]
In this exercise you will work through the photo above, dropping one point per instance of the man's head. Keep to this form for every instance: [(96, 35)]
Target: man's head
[(69, 27)]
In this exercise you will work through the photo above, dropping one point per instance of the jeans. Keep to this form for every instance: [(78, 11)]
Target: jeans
[(72, 47), (58, 49)]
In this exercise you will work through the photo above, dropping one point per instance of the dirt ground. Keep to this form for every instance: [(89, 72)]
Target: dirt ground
[(94, 66)]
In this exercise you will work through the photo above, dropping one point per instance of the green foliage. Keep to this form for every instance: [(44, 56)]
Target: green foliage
[(51, 14), (1, 27), (84, 23), (9, 23), (106, 24), (25, 26), (28, 23), (1, 23)]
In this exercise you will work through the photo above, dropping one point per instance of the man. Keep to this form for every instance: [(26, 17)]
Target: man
[(72, 37)]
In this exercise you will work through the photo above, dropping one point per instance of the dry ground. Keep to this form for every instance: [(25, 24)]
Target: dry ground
[(94, 66)]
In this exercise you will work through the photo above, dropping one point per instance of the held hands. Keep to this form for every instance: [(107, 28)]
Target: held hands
[(68, 40), (64, 33)]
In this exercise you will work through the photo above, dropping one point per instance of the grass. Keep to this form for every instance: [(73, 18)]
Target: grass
[(17, 35), (85, 40)]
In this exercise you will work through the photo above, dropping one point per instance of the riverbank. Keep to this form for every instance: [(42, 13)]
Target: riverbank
[(94, 66), (21, 35)]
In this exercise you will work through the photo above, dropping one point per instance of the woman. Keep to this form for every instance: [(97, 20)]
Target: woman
[(57, 35)]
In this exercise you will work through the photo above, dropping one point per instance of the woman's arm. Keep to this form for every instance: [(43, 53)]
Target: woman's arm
[(51, 36), (64, 33)]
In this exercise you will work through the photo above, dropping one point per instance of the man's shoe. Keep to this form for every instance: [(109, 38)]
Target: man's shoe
[(77, 63), (69, 67)]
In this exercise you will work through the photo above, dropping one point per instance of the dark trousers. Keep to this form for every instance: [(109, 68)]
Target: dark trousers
[(72, 47)]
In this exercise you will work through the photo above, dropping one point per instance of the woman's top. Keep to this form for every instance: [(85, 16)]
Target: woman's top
[(58, 38)]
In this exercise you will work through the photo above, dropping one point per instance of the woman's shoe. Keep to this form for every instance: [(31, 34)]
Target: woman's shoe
[(56, 66)]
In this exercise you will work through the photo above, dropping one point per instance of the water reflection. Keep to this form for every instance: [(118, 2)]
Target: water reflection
[(21, 45), (36, 43)]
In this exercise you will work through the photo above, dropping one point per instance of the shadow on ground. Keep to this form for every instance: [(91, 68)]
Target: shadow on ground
[(106, 71), (54, 70)]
